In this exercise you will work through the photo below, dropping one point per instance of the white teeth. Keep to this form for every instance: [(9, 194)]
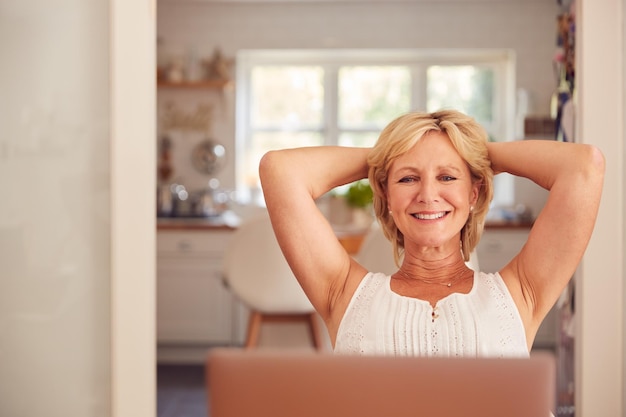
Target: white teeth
[(430, 216)]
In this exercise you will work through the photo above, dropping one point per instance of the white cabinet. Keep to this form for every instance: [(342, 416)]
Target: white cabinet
[(498, 246), (193, 305), (495, 249)]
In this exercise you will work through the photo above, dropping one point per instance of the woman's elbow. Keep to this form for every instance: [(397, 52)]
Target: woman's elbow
[(267, 165), (596, 162), (589, 169)]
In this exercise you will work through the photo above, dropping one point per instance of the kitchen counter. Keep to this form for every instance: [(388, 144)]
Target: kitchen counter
[(226, 221), (230, 220), (351, 240)]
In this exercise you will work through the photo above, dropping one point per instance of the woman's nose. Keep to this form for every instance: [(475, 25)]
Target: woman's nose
[(428, 191)]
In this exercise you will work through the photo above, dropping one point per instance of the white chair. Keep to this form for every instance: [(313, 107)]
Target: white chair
[(376, 253), (258, 274)]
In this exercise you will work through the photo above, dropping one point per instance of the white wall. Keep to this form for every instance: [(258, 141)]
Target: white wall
[(528, 27), (77, 208), (54, 215)]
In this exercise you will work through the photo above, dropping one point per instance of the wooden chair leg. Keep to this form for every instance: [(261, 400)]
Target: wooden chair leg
[(254, 327), (314, 329), (256, 319)]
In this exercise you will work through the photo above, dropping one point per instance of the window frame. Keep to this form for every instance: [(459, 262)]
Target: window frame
[(502, 61)]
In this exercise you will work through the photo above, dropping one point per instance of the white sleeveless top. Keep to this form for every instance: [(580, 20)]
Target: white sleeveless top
[(483, 323)]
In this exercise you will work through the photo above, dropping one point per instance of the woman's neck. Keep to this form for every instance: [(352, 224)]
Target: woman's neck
[(434, 266)]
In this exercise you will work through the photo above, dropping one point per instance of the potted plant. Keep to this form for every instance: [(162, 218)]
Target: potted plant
[(359, 195), (358, 198)]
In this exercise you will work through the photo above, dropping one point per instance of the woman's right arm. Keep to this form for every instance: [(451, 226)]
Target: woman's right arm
[(292, 179)]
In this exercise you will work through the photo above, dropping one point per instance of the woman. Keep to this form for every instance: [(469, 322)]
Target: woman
[(432, 180)]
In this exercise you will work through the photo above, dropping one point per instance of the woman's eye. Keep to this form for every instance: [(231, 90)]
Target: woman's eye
[(407, 179), (447, 178)]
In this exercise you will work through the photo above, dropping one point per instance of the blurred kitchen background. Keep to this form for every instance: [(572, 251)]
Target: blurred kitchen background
[(235, 79)]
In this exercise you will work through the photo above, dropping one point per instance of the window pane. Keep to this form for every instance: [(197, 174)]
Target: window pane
[(358, 139), (373, 95), (467, 88), (267, 141), (287, 96)]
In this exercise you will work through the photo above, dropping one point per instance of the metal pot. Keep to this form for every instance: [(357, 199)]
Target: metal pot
[(210, 202)]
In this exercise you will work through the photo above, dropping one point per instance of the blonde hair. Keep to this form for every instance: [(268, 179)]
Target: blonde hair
[(470, 141)]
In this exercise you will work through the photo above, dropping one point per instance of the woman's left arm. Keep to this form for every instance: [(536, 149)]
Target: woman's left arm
[(573, 174)]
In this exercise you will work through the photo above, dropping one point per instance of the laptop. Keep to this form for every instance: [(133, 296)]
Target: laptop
[(279, 383)]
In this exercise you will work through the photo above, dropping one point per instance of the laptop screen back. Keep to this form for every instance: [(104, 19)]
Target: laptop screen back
[(301, 384)]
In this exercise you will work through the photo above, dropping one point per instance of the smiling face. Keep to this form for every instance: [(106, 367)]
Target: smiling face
[(430, 192)]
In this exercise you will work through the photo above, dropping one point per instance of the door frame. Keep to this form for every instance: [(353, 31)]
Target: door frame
[(133, 207)]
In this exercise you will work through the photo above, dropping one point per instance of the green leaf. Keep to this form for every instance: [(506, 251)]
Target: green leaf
[(359, 194)]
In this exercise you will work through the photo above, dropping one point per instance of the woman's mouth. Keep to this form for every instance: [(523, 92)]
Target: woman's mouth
[(430, 216)]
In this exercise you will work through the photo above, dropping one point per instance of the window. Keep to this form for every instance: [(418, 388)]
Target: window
[(291, 98)]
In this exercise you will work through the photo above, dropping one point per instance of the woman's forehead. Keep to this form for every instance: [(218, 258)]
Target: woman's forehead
[(434, 150)]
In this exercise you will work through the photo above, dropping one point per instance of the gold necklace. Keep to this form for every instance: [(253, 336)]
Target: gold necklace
[(457, 277)]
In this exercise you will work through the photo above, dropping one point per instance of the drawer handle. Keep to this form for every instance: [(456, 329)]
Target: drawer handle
[(494, 246), (185, 246)]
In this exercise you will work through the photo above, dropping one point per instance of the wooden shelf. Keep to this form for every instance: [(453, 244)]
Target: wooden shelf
[(197, 85)]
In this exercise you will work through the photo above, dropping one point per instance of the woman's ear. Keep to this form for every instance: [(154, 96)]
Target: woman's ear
[(475, 192)]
